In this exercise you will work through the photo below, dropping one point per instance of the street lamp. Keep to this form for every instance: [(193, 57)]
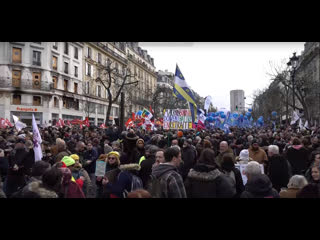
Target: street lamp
[(293, 64)]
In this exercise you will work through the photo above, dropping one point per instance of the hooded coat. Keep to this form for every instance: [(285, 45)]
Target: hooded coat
[(259, 186), (35, 189), (188, 157), (122, 182), (171, 181), (69, 188), (206, 181)]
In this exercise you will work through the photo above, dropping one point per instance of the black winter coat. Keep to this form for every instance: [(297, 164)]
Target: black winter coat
[(259, 186), (298, 159), (205, 181), (278, 172), (188, 157), (146, 169), (239, 187)]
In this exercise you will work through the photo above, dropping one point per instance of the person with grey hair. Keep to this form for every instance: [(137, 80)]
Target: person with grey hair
[(278, 169), (224, 149), (296, 183), (258, 184)]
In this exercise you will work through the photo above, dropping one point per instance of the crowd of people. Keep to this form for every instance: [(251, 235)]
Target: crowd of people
[(161, 163)]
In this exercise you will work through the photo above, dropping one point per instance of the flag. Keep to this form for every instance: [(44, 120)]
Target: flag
[(86, 122), (295, 118), (306, 125), (19, 125), (3, 123), (8, 123), (133, 116), (146, 114), (103, 126), (207, 103), (36, 140), (300, 124), (151, 110), (182, 91), (61, 122), (129, 123)]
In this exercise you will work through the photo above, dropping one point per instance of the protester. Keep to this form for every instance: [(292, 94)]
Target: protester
[(243, 157), (167, 173), (205, 180), (257, 153), (278, 168), (146, 165), (140, 193), (229, 169), (296, 183), (315, 159), (188, 156), (224, 149), (4, 165), (258, 184), (297, 156)]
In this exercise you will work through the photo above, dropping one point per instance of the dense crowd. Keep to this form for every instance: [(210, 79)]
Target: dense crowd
[(161, 164)]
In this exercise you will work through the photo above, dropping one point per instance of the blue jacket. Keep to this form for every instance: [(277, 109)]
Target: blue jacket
[(93, 156)]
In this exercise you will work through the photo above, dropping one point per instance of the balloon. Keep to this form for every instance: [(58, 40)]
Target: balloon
[(249, 109), (235, 115), (245, 118), (223, 116), (210, 119), (274, 113), (139, 112)]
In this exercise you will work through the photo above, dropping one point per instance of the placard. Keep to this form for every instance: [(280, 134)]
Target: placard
[(242, 168), (177, 119), (100, 168)]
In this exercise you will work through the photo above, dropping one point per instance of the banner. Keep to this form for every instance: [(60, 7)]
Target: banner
[(207, 103), (19, 125), (146, 114), (177, 119)]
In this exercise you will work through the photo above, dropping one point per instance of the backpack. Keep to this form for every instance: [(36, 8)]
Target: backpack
[(154, 187), (136, 183)]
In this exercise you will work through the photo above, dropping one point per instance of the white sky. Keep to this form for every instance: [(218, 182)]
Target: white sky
[(216, 68)]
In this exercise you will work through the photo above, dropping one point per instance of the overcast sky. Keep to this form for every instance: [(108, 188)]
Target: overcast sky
[(214, 68)]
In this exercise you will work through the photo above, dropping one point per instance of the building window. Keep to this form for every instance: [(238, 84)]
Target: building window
[(55, 45), (66, 48), (54, 63), (66, 66), (88, 69), (87, 87), (99, 57), (89, 53), (16, 78), (75, 71), (16, 100), (55, 82), (100, 109), (36, 80), (36, 58), (75, 87), (55, 102), (16, 55), (99, 91), (36, 100), (65, 84), (75, 53)]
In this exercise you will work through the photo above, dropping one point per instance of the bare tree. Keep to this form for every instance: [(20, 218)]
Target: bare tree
[(88, 107), (113, 79)]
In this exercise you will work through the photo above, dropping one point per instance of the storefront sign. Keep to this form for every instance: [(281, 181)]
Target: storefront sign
[(27, 109)]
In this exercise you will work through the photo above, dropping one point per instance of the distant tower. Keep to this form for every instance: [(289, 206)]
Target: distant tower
[(237, 103)]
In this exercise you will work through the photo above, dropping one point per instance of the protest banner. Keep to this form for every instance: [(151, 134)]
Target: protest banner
[(177, 119), (242, 168), (100, 168)]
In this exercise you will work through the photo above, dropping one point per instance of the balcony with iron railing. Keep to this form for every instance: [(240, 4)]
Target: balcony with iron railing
[(23, 84), (104, 47)]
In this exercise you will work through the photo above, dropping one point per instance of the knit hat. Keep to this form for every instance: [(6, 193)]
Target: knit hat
[(75, 157), (180, 134), (244, 155), (69, 161), (140, 140), (115, 154)]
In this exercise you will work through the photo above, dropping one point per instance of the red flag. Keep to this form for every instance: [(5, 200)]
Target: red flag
[(61, 122), (129, 122), (81, 126), (86, 122), (133, 116), (151, 110), (103, 126), (68, 123), (58, 123), (3, 123), (8, 123)]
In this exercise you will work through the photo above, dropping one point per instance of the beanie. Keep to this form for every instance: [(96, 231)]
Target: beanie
[(180, 134), (69, 161), (75, 157), (244, 155)]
